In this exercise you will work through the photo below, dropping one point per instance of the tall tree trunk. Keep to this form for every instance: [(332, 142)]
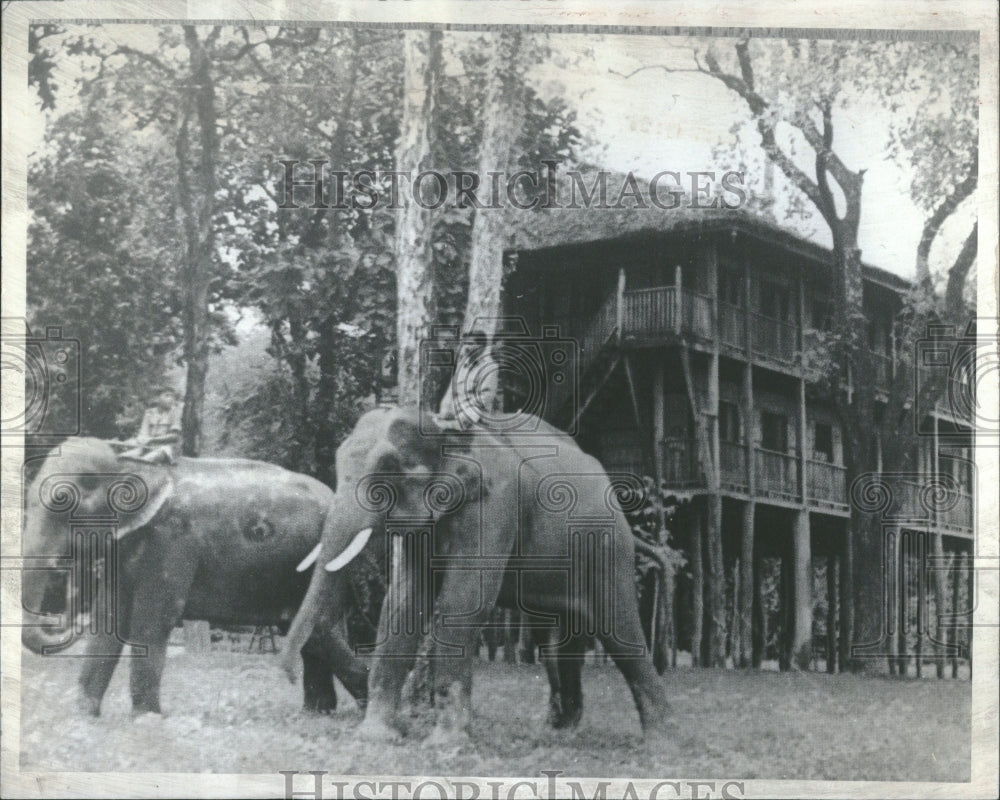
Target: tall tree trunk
[(416, 305), (198, 208), (504, 116)]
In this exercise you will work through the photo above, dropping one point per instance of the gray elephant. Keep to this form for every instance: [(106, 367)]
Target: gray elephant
[(475, 519), (147, 545)]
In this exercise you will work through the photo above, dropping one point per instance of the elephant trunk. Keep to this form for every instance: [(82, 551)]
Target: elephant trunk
[(36, 634), (340, 536)]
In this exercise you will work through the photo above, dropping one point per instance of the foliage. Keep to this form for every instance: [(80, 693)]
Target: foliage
[(102, 250)]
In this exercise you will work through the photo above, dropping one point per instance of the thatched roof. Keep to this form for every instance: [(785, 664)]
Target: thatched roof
[(541, 229)]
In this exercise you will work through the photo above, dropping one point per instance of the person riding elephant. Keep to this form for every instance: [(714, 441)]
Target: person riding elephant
[(477, 518), (160, 431), (204, 539)]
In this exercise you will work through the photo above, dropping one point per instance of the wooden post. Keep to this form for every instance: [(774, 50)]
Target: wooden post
[(620, 302), (846, 598), (759, 629), (801, 643), (831, 612), (678, 301), (954, 564), (697, 584), (904, 543), (197, 638), (747, 595), (785, 614)]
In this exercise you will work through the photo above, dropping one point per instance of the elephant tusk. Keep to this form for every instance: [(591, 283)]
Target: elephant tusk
[(355, 547), (310, 559)]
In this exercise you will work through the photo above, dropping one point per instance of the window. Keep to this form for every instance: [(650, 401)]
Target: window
[(823, 442), (729, 422), (774, 431)]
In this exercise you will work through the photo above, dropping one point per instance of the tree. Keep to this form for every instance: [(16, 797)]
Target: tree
[(503, 113), (101, 262), (415, 311)]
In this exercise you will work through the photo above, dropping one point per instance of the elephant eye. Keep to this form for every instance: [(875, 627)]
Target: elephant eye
[(389, 463)]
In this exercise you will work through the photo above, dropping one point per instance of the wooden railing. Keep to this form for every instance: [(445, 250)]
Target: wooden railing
[(680, 463), (655, 313), (732, 326), (773, 338), (733, 465), (697, 314), (826, 482), (911, 500), (776, 474), (650, 312)]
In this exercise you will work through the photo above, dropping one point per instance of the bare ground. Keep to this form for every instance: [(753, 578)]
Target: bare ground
[(232, 712)]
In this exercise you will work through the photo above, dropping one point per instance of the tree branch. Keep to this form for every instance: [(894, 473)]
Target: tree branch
[(947, 207)]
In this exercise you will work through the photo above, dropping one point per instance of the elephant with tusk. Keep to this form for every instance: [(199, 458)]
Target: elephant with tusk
[(145, 545), (473, 519)]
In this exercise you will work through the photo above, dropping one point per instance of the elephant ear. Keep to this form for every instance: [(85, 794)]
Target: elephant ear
[(136, 501)]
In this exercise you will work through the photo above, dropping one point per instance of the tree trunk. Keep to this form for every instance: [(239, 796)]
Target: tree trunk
[(416, 305), (198, 210), (504, 116)]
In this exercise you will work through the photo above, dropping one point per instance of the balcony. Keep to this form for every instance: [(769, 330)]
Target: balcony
[(826, 483), (776, 474), (773, 339), (658, 312), (914, 502)]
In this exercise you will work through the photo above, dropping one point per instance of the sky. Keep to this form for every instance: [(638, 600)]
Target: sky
[(655, 121)]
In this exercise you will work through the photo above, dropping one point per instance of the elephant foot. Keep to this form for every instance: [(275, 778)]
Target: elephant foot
[(91, 706), (320, 703), (445, 738), (567, 719), (141, 717), (378, 731)]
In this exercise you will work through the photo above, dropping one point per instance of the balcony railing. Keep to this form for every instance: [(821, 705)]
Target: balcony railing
[(773, 338), (914, 501), (680, 463), (826, 482), (654, 313), (732, 326), (650, 312), (776, 474), (733, 466)]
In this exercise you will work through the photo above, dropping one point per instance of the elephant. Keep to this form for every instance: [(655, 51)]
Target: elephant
[(146, 545), (474, 519)]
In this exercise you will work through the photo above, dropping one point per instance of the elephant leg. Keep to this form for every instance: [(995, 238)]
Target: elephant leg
[(317, 682), (156, 608), (569, 663), (350, 670), (463, 606), (539, 640), (146, 674), (103, 653), (395, 653), (647, 687), (99, 665)]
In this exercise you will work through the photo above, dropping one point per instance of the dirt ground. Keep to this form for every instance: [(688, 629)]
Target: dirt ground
[(233, 712)]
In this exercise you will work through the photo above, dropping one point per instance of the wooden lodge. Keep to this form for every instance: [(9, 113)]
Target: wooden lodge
[(717, 313)]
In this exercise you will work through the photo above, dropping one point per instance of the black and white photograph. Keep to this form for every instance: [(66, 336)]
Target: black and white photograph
[(500, 400)]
